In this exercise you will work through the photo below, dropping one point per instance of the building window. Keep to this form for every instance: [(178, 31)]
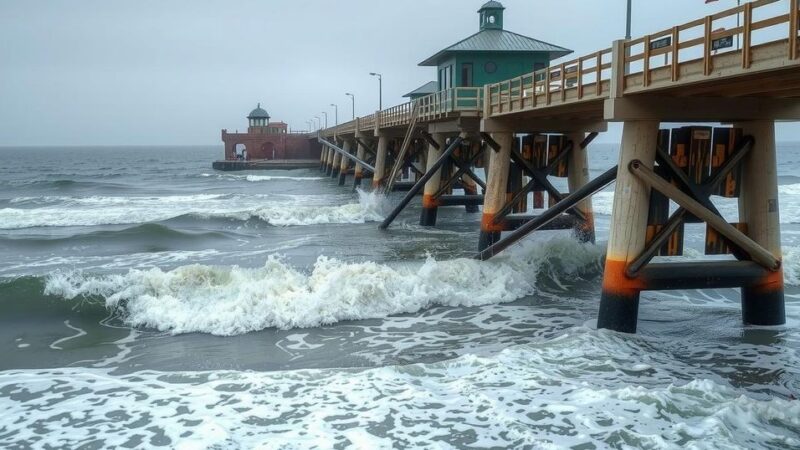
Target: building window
[(490, 67), (466, 74), (446, 77)]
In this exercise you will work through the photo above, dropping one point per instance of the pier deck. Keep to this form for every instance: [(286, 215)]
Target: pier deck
[(266, 164)]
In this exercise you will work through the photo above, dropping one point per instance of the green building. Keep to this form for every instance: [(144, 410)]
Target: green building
[(491, 55)]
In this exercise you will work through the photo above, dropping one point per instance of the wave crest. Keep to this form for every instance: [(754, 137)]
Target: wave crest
[(234, 300)]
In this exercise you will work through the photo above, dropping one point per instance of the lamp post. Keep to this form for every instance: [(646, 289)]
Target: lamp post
[(628, 22), (380, 89), (326, 118), (319, 124), (353, 98), (336, 113), (310, 124)]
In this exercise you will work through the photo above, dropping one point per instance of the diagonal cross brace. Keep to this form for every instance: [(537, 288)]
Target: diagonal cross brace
[(758, 253), (678, 216)]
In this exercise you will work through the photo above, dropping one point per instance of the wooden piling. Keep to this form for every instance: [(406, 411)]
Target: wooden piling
[(380, 162), (359, 170), (619, 300), (470, 188), (758, 208), (429, 204), (577, 176), (495, 195), (344, 163), (329, 161), (337, 161)]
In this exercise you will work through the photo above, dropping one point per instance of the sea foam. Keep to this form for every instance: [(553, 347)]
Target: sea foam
[(235, 300), (585, 389)]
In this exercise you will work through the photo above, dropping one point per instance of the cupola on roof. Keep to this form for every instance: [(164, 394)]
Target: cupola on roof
[(258, 113), (493, 38)]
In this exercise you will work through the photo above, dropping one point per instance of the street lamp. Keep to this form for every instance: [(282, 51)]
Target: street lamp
[(336, 113), (310, 124), (353, 98), (319, 125), (326, 119), (380, 89), (628, 23)]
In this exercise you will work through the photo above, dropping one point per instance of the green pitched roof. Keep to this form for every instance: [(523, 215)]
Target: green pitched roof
[(427, 88), (498, 41)]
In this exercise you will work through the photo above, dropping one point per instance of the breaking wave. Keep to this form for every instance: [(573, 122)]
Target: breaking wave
[(257, 178), (234, 300), (278, 210)]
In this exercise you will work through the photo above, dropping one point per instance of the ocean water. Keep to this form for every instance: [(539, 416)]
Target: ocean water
[(149, 301)]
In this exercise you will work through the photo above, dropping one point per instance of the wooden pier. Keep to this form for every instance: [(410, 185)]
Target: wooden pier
[(525, 130)]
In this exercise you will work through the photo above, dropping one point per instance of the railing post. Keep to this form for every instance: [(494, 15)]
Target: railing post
[(676, 48), (487, 103), (747, 31), (646, 62), (707, 66), (793, 25), (599, 69), (618, 69)]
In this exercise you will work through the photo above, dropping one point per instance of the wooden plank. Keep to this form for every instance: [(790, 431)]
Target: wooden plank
[(716, 244), (724, 143), (556, 146)]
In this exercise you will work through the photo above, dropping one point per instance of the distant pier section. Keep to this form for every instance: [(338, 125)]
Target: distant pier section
[(268, 146)]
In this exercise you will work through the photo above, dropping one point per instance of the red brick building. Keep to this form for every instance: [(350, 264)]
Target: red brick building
[(268, 140)]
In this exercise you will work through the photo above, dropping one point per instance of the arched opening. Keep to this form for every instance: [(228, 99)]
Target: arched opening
[(240, 152)]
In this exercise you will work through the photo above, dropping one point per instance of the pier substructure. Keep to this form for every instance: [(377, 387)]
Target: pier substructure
[(344, 163), (430, 204), (694, 163), (537, 156)]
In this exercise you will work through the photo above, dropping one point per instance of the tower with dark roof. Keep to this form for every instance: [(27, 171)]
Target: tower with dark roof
[(492, 54)]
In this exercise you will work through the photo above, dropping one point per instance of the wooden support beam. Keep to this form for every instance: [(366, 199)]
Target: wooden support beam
[(519, 123), (700, 109)]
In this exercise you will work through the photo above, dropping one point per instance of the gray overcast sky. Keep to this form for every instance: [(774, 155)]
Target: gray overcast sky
[(176, 72)]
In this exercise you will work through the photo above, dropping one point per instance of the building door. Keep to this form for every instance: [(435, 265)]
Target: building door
[(466, 75)]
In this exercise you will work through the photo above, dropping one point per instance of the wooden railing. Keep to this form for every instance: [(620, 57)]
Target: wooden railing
[(691, 52), (584, 77), (703, 43), (396, 115), (707, 40), (442, 103)]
